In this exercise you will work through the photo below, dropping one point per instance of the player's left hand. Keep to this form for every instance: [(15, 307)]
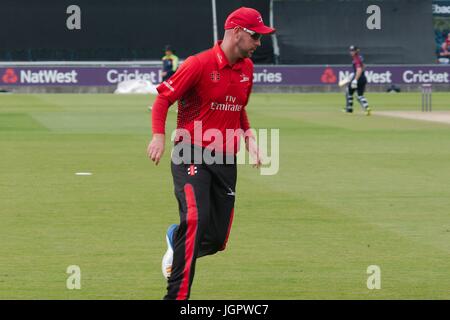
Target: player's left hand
[(354, 84), (253, 150)]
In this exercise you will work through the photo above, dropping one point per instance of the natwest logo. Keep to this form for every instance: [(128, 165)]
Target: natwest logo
[(10, 76), (48, 76), (372, 76), (328, 76)]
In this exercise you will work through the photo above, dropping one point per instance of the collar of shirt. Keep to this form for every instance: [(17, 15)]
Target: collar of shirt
[(222, 60)]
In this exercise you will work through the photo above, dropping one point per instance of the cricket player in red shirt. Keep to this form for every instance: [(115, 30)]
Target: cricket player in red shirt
[(212, 89)]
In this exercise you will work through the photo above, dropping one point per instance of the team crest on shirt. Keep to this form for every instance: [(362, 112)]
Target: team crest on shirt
[(215, 76)]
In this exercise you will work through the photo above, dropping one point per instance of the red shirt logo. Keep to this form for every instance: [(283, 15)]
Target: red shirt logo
[(328, 76), (10, 76)]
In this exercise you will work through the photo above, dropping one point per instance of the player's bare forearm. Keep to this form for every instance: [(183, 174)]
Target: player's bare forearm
[(155, 149)]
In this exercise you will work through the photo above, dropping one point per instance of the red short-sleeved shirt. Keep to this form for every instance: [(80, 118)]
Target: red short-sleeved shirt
[(212, 93)]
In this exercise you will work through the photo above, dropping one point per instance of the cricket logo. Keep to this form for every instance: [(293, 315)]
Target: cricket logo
[(192, 170), (215, 76)]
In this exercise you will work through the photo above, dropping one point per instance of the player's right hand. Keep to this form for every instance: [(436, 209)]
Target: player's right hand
[(253, 150), (354, 84), (155, 148)]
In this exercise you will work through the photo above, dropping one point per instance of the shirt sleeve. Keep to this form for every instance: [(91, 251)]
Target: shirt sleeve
[(159, 115), (245, 124), (186, 77), (250, 87)]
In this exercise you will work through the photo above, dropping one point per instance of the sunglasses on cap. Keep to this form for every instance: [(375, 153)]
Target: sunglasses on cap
[(255, 36)]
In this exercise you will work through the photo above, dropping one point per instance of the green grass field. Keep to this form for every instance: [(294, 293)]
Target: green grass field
[(352, 191)]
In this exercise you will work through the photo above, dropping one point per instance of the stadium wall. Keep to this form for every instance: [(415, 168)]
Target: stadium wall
[(115, 30), (320, 31), (105, 76), (308, 32)]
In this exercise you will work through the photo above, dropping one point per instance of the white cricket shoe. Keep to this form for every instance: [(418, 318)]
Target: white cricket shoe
[(168, 256)]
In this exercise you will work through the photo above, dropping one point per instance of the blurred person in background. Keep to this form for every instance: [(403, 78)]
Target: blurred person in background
[(170, 63), (444, 54)]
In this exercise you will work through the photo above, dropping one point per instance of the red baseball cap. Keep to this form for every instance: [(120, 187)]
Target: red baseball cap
[(247, 18)]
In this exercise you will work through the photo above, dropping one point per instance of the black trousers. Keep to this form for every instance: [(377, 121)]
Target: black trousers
[(206, 195), (362, 81)]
